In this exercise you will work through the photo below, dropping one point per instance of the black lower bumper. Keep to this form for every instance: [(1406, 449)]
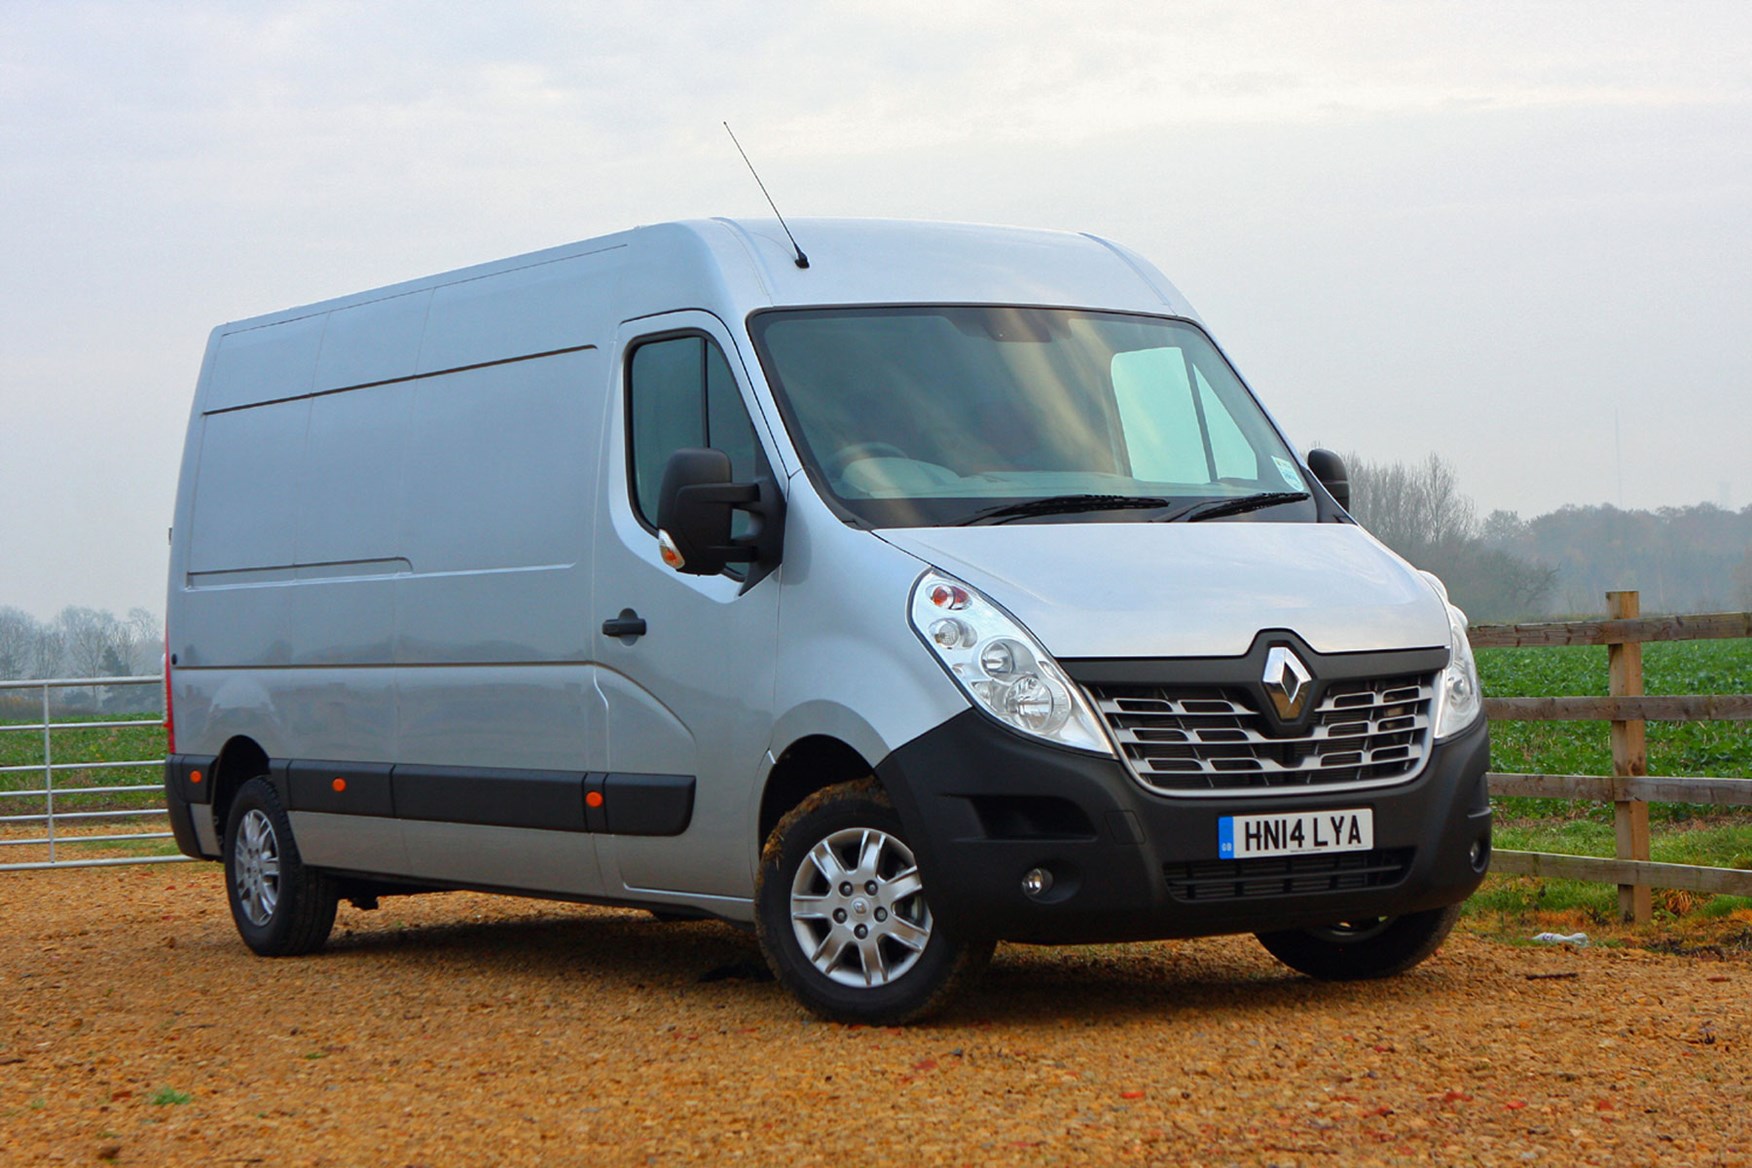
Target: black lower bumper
[(188, 787), (984, 806)]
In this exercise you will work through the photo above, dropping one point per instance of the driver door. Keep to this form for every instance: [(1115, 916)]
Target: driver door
[(689, 690)]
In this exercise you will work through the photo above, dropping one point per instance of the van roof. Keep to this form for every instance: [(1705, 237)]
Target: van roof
[(851, 261), (576, 296)]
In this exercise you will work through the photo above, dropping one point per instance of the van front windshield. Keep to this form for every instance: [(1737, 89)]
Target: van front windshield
[(932, 416)]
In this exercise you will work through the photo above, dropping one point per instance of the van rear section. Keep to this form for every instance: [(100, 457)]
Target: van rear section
[(953, 589)]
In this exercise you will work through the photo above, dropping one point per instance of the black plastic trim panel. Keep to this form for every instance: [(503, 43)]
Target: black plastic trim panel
[(340, 788), (618, 803), (180, 798), (492, 797), (179, 777), (647, 804)]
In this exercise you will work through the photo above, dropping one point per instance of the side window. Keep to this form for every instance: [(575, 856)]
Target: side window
[(680, 392)]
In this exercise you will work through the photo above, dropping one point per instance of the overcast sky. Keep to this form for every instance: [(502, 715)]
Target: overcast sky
[(1517, 235)]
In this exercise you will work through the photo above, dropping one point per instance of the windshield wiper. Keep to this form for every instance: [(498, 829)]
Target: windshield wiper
[(1239, 505), (1062, 505)]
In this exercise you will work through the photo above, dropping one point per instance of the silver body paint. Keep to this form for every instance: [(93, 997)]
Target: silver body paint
[(403, 517)]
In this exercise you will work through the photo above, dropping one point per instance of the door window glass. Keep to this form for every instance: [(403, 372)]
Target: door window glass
[(680, 392)]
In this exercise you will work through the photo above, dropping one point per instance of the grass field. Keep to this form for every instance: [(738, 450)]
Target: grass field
[(1683, 833)]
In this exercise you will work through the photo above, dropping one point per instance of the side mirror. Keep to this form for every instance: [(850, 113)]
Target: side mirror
[(693, 515), (1329, 469)]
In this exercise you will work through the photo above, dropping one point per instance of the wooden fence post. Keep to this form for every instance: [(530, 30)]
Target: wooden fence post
[(1630, 757)]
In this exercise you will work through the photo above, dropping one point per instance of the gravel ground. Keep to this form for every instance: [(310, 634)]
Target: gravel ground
[(471, 1029)]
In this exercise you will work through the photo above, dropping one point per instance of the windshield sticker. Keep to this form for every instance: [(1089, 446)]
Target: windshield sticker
[(1287, 469)]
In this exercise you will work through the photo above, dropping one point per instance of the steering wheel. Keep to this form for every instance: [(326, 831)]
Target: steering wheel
[(857, 451)]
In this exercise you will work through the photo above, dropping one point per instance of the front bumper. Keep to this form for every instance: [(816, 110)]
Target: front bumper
[(982, 806)]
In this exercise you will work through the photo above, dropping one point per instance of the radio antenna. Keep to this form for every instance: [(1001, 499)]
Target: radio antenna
[(802, 261)]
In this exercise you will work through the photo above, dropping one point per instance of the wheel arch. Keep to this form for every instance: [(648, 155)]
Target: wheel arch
[(804, 767), (240, 760)]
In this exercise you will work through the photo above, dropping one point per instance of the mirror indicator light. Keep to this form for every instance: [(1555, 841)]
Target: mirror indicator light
[(666, 548)]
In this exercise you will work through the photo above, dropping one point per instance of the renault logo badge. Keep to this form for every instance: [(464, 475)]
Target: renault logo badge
[(1286, 682)]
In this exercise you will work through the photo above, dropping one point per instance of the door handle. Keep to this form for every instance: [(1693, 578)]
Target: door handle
[(627, 624)]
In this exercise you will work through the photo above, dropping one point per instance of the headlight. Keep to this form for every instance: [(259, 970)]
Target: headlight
[(1459, 700), (1001, 666)]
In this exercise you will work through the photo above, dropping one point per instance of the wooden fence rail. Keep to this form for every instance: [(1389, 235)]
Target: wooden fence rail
[(1709, 626), (1630, 788), (1683, 708)]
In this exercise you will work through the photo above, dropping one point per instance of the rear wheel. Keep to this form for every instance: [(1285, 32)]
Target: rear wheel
[(842, 915), (1354, 950), (280, 907)]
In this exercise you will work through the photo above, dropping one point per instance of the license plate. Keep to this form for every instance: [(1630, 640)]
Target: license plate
[(1295, 833)]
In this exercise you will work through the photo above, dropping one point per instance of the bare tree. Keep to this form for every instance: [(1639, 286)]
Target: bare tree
[(96, 643), (18, 639), (145, 641), (81, 642), (1420, 512), (1413, 508), (46, 653)]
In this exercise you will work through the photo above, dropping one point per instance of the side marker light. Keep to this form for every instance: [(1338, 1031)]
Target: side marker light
[(671, 554)]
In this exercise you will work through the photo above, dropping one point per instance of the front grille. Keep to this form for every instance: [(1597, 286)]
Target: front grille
[(1213, 740), (1287, 875)]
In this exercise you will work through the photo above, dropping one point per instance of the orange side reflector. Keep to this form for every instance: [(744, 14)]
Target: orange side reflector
[(593, 798), (339, 784), (194, 776)]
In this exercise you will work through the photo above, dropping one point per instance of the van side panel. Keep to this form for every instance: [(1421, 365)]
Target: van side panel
[(345, 713), (375, 341), (385, 554), (251, 463), (265, 363), (498, 465), (348, 504), (535, 309)]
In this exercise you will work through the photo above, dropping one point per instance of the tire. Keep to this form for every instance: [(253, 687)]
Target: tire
[(814, 891), (280, 907), (1357, 950)]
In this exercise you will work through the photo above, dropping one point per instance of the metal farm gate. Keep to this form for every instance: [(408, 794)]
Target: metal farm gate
[(55, 802)]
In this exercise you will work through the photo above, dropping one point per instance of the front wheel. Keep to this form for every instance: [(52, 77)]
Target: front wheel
[(1355, 950), (842, 915), (280, 907)]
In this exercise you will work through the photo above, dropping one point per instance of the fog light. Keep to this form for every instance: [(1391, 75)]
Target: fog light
[(1037, 882), (1480, 854)]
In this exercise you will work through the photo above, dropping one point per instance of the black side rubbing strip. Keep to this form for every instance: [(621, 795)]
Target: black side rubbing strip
[(624, 804), (550, 800), (648, 804), (340, 788)]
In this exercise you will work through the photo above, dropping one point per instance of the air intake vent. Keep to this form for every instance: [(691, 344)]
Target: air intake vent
[(1287, 876)]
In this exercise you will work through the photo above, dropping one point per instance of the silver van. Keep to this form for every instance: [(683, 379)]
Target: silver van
[(943, 587)]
